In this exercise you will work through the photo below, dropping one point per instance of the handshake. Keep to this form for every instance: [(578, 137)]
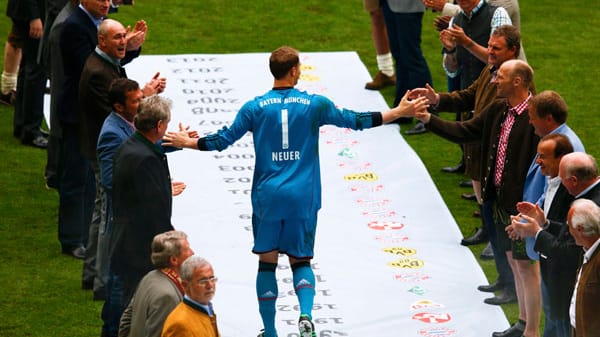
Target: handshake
[(415, 103)]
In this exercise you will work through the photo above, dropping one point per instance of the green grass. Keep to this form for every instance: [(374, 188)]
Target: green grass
[(40, 289)]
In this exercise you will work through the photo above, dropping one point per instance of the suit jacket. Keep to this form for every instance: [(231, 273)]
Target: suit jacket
[(191, 320), (485, 128), (94, 106), (142, 203), (55, 61), (587, 303), (474, 98), (155, 297), (77, 42), (559, 256), (114, 132)]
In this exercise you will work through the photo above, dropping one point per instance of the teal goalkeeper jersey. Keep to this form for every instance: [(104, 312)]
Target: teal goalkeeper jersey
[(285, 127)]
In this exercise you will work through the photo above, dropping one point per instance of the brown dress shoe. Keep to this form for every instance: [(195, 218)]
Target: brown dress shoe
[(380, 81)]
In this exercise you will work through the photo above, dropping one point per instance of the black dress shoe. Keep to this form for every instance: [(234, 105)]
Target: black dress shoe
[(418, 129), (490, 288), (468, 196), (480, 236), (507, 296), (466, 183), (487, 253), (516, 330), (460, 168), (87, 285), (77, 252), (38, 141)]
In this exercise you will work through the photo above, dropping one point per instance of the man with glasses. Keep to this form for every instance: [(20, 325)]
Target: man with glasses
[(195, 315)]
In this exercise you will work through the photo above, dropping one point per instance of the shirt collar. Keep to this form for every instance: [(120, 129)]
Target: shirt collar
[(474, 11), (587, 189), (519, 108), (588, 253), (155, 147), (125, 120), (208, 308), (554, 181), (96, 22), (108, 58), (494, 72)]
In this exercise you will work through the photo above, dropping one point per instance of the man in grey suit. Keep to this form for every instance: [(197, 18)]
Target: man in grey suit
[(160, 291)]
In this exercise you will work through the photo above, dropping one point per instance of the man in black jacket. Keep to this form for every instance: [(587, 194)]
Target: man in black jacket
[(141, 195), (27, 18)]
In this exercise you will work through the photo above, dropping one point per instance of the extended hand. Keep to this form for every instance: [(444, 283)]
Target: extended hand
[(190, 133), (179, 139), (409, 107), (428, 92)]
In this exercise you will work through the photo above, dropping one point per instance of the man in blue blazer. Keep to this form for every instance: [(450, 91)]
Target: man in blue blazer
[(125, 96)]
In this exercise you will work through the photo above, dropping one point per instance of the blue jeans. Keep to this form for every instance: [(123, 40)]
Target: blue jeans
[(404, 35), (113, 305)]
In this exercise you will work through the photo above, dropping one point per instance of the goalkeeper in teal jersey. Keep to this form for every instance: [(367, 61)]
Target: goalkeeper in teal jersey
[(286, 187)]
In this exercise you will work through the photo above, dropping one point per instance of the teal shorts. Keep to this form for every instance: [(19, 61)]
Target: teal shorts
[(293, 237)]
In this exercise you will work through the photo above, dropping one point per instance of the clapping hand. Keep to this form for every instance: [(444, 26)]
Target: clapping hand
[(137, 36)]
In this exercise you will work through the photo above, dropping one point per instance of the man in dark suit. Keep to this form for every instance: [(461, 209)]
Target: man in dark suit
[(584, 225), (101, 68), (559, 256), (578, 173), (52, 59), (77, 40), (141, 194), (27, 18)]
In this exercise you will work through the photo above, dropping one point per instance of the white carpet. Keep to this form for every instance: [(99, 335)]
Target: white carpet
[(388, 260)]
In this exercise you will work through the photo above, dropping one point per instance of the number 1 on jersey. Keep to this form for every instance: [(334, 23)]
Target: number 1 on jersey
[(284, 129)]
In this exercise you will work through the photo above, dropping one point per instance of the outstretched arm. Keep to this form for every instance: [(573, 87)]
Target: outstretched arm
[(183, 138), (405, 108)]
